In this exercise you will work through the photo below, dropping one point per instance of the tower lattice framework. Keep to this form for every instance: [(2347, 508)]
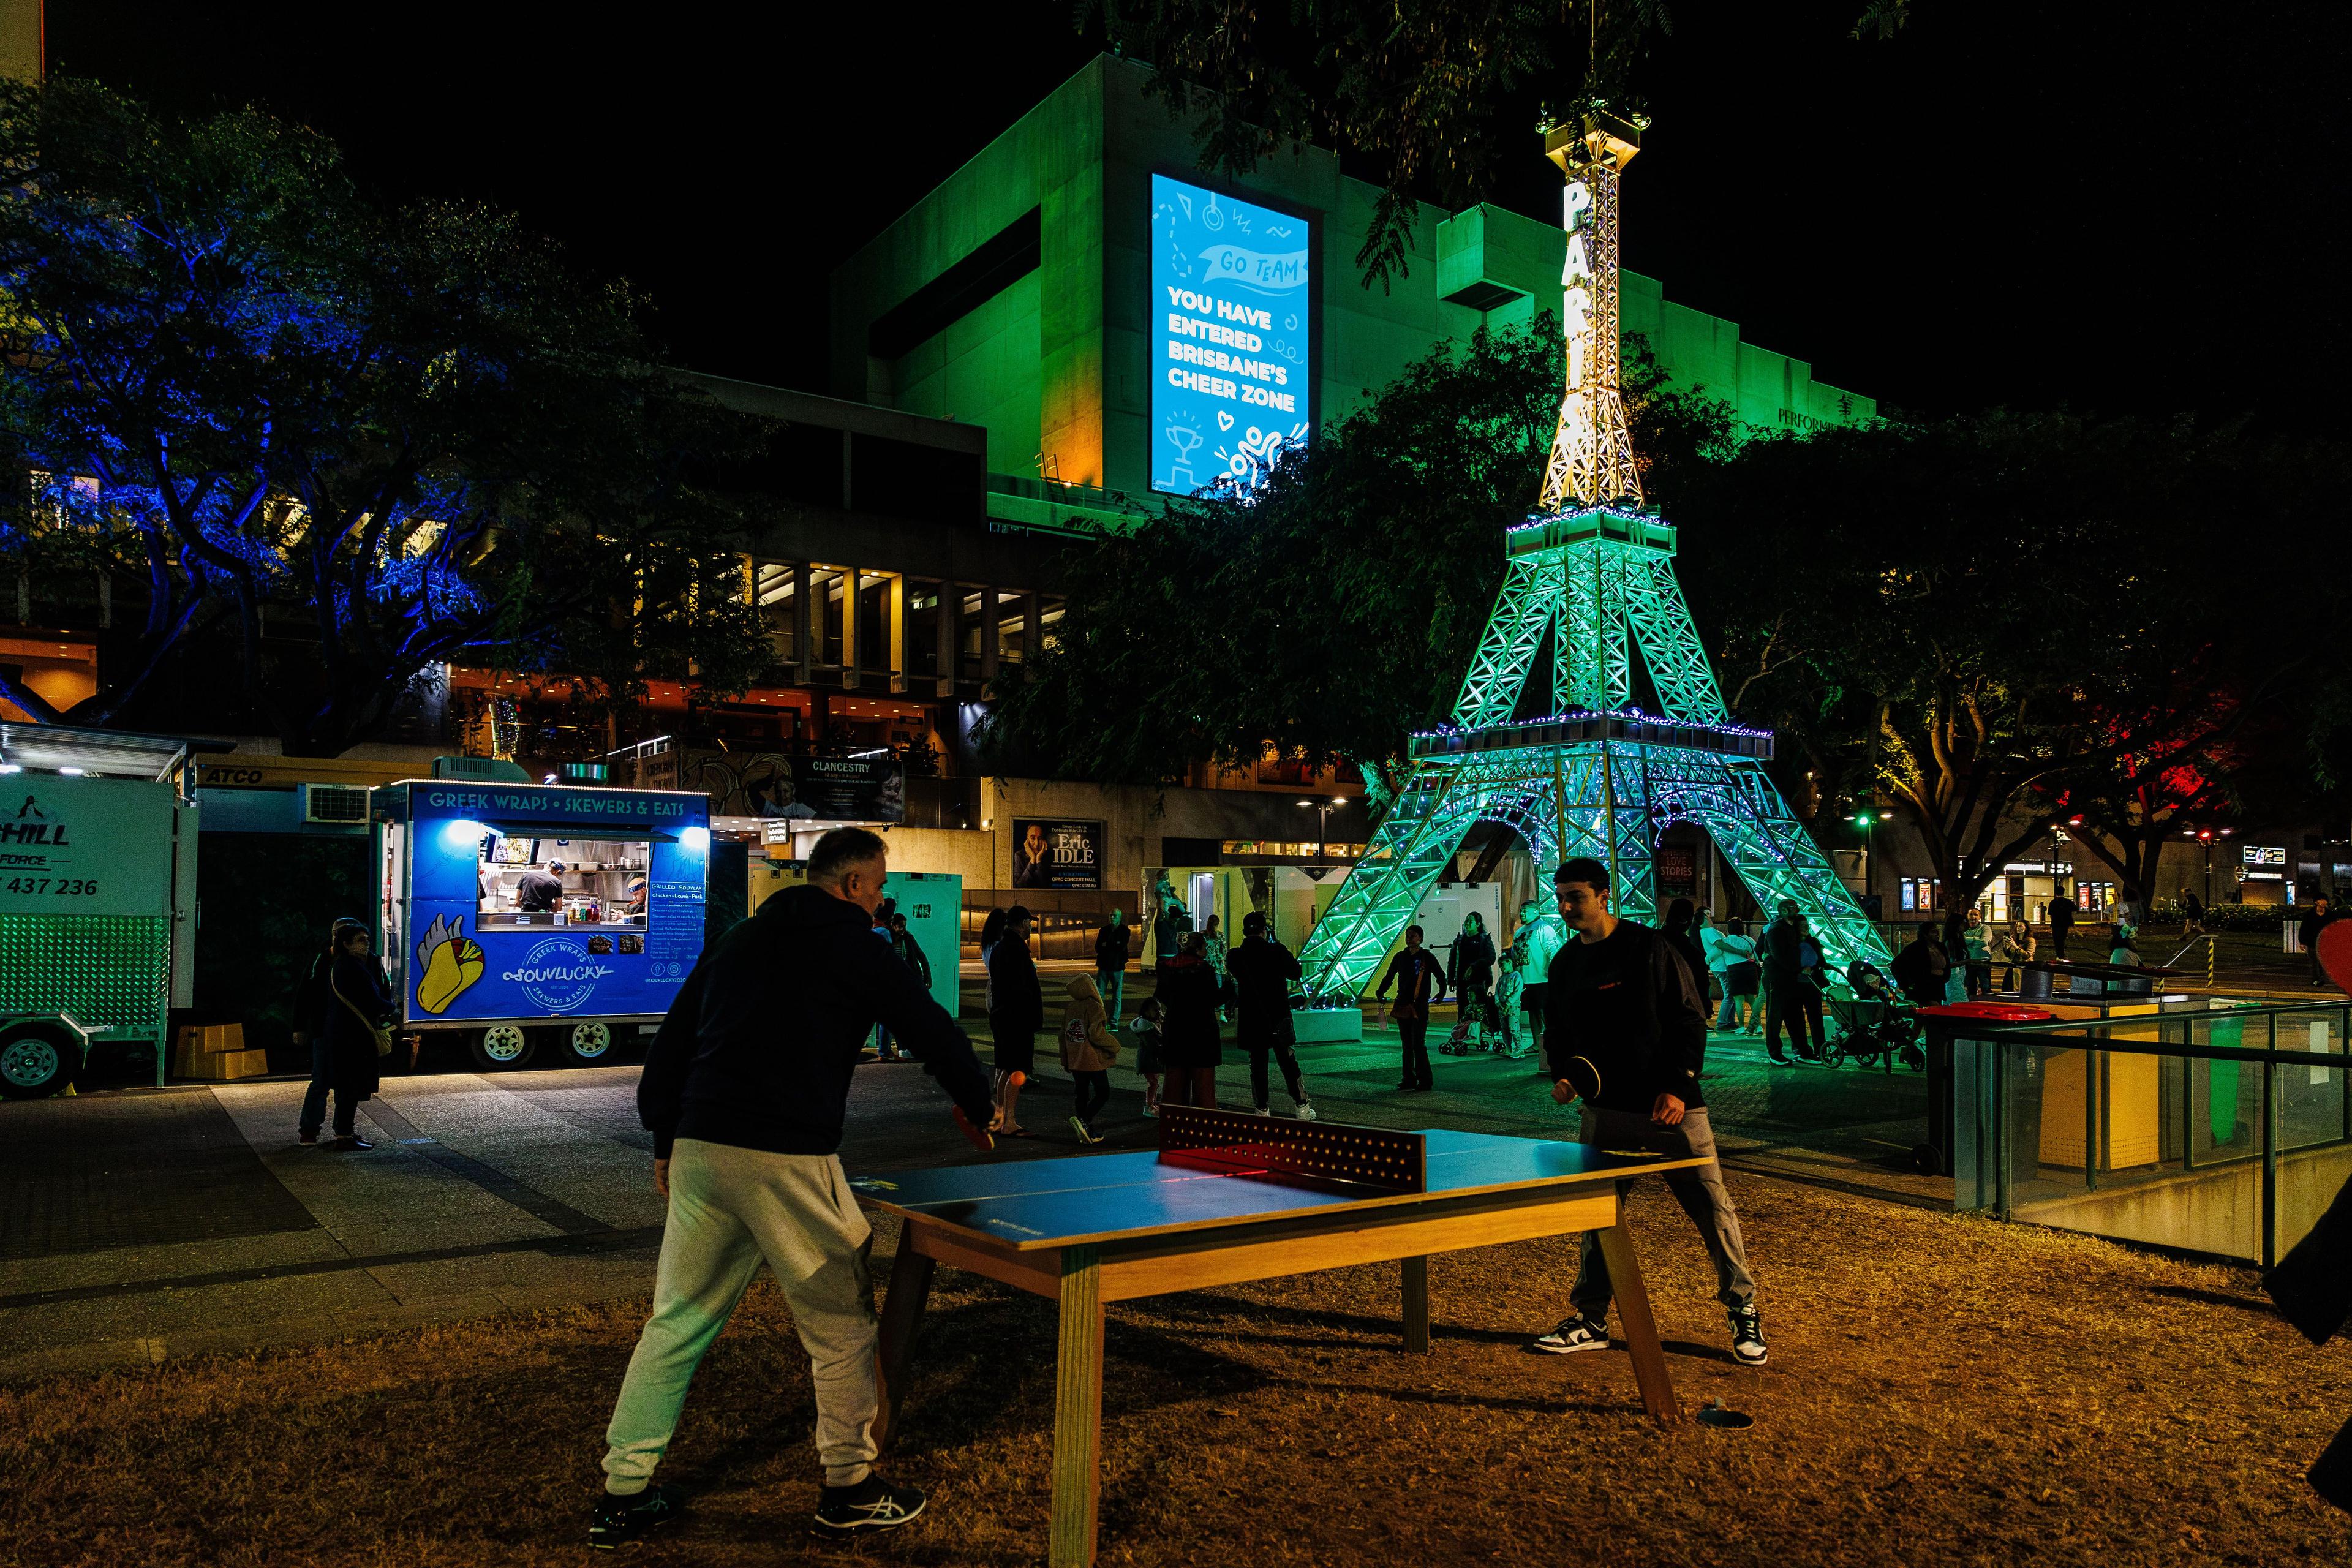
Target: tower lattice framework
[(1592, 575)]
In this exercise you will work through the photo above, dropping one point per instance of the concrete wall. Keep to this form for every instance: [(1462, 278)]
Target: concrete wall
[(982, 370), (2215, 1211)]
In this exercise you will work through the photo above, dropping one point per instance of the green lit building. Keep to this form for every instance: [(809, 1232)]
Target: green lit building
[(1023, 295)]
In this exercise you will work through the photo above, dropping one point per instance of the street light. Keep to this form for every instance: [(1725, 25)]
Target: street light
[(1322, 819)]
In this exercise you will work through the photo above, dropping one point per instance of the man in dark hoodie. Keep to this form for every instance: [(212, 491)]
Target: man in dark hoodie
[(745, 1092), (1623, 999)]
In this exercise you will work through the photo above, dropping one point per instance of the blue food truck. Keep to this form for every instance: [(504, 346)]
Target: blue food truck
[(539, 918)]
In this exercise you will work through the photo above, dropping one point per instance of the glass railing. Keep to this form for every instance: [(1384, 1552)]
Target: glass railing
[(2213, 1126)]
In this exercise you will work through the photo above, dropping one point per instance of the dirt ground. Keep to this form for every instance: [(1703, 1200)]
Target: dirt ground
[(1942, 1391)]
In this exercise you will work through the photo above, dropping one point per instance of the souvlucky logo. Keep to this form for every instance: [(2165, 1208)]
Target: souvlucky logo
[(558, 974), (447, 962)]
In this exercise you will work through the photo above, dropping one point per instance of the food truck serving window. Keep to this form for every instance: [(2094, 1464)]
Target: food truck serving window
[(531, 879)]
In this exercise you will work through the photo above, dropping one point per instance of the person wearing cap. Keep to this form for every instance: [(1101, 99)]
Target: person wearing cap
[(540, 891), (1623, 1001)]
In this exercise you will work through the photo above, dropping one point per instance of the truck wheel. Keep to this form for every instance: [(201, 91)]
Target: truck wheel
[(589, 1045), (36, 1061), (501, 1046)]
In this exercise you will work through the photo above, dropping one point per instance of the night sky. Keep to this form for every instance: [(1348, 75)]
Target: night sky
[(2125, 205)]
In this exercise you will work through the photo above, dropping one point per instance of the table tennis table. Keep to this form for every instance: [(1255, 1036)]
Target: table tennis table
[(1230, 1197)]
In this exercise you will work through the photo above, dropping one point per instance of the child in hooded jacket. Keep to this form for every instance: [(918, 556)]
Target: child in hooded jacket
[(1089, 1048)]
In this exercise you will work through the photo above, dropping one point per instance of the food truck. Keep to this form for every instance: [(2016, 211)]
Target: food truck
[(530, 917), (98, 879)]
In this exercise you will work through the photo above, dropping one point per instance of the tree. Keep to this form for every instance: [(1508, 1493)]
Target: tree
[(265, 402), (1433, 91), (1336, 612), (1987, 618)]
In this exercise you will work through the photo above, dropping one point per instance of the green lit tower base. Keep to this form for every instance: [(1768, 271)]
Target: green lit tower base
[(1594, 579)]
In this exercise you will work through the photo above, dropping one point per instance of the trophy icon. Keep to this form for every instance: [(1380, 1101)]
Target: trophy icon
[(1186, 440)]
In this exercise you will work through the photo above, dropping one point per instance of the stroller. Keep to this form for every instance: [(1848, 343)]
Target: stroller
[(1876, 1025)]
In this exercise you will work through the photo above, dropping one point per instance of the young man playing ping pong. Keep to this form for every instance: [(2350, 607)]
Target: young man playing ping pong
[(744, 1092), (1625, 1002)]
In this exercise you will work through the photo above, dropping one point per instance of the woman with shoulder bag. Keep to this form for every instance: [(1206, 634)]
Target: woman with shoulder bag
[(358, 1037)]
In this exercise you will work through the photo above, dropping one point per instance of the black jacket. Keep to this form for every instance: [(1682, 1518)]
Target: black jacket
[(912, 954), (1189, 1035), (1111, 944), (758, 1049), (1418, 978), (1631, 1007), (1474, 961), (1263, 970), (1778, 950), (1920, 969), (352, 1067), (1019, 1002)]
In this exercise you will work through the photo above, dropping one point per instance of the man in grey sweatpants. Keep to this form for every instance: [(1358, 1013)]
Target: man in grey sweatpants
[(1624, 999), (745, 1092)]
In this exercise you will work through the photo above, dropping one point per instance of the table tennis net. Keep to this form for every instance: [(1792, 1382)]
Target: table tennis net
[(1240, 1144)]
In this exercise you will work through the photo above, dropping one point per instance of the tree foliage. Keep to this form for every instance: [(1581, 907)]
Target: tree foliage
[(1336, 612), (265, 404), (1999, 622), (1431, 91)]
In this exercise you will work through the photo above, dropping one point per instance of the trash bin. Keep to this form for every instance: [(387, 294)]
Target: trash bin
[(1944, 1024)]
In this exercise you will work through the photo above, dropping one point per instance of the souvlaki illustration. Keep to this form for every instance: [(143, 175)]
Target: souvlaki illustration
[(448, 961)]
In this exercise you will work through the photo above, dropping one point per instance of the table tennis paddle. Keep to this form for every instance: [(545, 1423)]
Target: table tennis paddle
[(1582, 1082), (981, 1137)]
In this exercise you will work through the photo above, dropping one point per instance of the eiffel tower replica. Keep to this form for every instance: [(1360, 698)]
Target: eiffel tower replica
[(1591, 577)]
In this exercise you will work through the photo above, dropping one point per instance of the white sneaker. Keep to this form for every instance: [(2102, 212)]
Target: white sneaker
[(1260, 1110), (1305, 1113), (1080, 1128)]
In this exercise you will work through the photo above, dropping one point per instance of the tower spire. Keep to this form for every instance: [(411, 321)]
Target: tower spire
[(1593, 450)]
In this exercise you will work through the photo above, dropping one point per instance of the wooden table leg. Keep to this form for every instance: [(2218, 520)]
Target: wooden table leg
[(902, 1312), (1416, 1305), (1077, 1411), (1641, 1329)]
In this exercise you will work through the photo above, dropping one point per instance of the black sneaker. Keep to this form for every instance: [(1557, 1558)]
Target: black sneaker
[(1747, 1336), (872, 1504), (623, 1521), (1573, 1334)]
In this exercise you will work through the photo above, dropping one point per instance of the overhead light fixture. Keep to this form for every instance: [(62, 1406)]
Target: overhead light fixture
[(12, 767), (70, 772), (1338, 800)]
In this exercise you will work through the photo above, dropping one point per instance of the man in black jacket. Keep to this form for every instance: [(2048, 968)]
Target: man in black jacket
[(745, 1092), (1016, 1013), (1263, 970), (1111, 963), (1420, 980), (1624, 999)]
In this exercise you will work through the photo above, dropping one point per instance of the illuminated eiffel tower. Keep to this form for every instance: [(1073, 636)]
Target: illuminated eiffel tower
[(1594, 569)]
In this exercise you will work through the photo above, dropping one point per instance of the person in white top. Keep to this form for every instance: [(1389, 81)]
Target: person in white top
[(1727, 949), (1539, 940)]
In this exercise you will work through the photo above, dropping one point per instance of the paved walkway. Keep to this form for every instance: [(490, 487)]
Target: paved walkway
[(138, 1224)]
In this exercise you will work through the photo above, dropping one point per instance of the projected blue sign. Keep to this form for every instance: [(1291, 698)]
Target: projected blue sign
[(1232, 338)]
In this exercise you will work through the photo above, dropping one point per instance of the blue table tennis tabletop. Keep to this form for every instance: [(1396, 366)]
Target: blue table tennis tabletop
[(1096, 1198)]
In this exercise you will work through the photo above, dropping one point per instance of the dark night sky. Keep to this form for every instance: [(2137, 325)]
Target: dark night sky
[(2119, 205)]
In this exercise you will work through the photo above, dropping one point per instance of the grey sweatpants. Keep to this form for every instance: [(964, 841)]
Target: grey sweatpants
[(730, 1208), (1698, 1188)]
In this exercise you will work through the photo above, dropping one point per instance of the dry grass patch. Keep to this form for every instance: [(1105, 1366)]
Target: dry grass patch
[(1942, 1391)]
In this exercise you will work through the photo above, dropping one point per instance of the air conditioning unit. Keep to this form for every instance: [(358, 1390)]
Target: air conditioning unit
[(334, 802)]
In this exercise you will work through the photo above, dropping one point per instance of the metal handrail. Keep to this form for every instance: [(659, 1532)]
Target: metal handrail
[(2205, 937), (2092, 1035)]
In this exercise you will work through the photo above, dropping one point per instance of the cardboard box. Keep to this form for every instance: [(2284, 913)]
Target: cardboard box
[(198, 1044), (222, 1066)]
